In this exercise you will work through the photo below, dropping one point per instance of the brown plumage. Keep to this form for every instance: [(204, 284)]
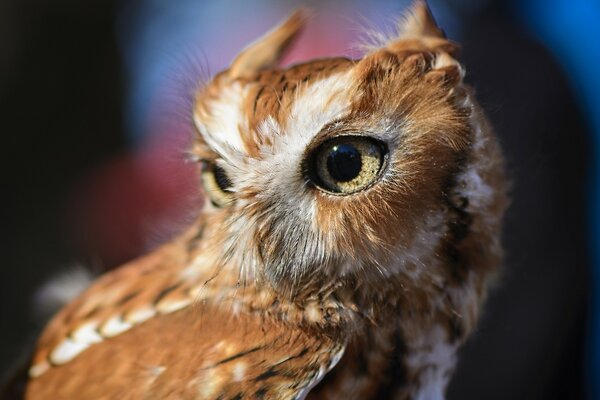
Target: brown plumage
[(351, 233)]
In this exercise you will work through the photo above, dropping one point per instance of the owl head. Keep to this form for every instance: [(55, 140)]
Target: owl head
[(334, 169)]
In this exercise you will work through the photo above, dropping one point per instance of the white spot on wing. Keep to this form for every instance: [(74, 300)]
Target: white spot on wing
[(169, 306), (86, 333), (157, 370), (140, 315), (239, 371), (66, 351), (38, 369), (114, 326)]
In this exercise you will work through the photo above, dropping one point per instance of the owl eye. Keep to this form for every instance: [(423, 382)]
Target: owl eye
[(217, 185), (346, 164)]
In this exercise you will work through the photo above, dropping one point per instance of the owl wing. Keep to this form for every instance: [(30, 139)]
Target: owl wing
[(198, 352), (150, 330)]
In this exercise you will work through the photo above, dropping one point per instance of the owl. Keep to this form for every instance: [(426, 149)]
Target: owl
[(348, 238)]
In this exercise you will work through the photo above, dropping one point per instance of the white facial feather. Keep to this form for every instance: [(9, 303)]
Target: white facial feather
[(221, 127), (277, 171), (316, 105)]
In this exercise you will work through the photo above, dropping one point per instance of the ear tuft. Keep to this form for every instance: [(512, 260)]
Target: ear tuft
[(267, 51), (419, 21)]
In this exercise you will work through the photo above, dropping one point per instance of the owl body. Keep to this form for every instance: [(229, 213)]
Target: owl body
[(349, 236)]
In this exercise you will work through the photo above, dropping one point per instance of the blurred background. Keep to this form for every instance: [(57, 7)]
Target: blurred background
[(94, 106)]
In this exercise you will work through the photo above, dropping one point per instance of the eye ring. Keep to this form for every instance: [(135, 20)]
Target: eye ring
[(216, 183), (347, 164)]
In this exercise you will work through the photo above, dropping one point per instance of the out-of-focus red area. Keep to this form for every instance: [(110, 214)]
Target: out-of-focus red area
[(135, 201)]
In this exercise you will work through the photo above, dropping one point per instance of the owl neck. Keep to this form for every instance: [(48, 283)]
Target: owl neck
[(401, 344)]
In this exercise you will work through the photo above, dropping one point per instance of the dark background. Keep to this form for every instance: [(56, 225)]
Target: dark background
[(60, 107), (61, 95)]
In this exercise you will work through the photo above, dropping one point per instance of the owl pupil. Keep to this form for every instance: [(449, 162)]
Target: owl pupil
[(221, 178), (344, 162)]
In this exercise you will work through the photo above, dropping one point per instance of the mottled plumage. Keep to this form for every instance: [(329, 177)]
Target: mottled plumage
[(349, 236)]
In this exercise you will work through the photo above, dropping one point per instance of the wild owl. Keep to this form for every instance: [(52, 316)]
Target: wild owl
[(350, 233)]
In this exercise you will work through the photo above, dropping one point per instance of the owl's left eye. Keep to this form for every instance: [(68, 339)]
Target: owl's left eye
[(346, 164), (217, 185)]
